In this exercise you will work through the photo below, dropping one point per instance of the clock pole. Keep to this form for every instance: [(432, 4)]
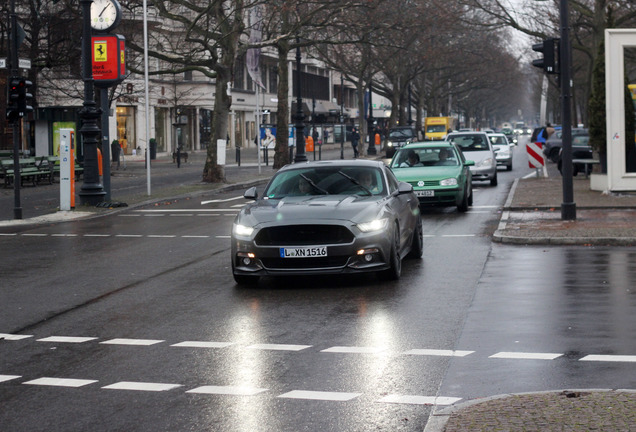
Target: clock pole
[(92, 191)]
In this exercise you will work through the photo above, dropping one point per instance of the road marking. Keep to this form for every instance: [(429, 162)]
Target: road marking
[(223, 237), (318, 395), (419, 400), (13, 337), (354, 350), (124, 341), (228, 390), (609, 358), (435, 352), (154, 215), (63, 235), (279, 347), (8, 234), (221, 200), (34, 235), (485, 207), (458, 235), (526, 356), (195, 236), (96, 235), (66, 339), (141, 386), (186, 210), (60, 382), (207, 215), (129, 235), (129, 215), (160, 236), (8, 377), (201, 344)]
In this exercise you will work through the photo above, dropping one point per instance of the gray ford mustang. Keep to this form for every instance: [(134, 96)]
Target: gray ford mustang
[(327, 217)]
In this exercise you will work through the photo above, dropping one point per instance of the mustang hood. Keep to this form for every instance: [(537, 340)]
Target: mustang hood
[(311, 209)]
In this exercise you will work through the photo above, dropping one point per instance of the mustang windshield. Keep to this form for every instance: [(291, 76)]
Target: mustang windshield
[(326, 181)]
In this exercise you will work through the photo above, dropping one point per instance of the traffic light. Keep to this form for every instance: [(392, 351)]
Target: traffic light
[(25, 99), (550, 61), (19, 100), (12, 99)]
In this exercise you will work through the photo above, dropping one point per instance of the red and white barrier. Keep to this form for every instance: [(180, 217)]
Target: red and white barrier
[(535, 154)]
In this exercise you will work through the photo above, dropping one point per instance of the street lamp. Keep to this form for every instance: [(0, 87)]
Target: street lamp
[(300, 137), (92, 192), (343, 129)]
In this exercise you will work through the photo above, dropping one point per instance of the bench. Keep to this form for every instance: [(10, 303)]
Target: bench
[(586, 163), (29, 170), (54, 162)]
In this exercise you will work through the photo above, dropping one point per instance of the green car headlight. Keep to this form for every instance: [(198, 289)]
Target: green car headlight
[(449, 182)]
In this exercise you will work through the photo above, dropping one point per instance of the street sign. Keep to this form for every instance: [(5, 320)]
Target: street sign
[(3, 63), (22, 63)]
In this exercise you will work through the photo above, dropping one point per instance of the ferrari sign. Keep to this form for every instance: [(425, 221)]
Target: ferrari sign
[(108, 60)]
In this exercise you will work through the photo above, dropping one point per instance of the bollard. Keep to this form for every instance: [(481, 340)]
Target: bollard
[(238, 156)]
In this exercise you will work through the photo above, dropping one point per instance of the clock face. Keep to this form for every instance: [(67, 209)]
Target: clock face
[(105, 14)]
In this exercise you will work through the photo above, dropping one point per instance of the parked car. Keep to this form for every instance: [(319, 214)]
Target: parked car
[(399, 137), (476, 146), (552, 146), (327, 217), (580, 150), (503, 150), (439, 174)]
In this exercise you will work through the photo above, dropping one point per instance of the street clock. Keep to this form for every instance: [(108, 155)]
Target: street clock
[(105, 15)]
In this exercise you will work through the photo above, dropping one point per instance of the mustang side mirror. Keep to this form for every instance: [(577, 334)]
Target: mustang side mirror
[(251, 193)]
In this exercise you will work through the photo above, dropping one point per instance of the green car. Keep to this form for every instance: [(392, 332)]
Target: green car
[(438, 172)]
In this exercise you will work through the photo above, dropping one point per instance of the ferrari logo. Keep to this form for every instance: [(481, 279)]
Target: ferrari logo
[(101, 53)]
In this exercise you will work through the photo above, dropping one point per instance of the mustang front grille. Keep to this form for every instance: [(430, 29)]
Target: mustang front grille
[(300, 235)]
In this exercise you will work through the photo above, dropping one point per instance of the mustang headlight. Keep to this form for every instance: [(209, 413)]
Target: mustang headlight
[(242, 230), (374, 225), (485, 163), (448, 182)]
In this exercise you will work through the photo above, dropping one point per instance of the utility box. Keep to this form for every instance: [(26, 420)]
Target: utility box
[(67, 169)]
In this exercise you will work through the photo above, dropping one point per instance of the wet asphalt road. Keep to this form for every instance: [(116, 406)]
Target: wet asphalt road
[(341, 354)]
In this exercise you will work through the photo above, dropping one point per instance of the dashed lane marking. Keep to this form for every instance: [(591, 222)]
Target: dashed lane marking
[(151, 211), (66, 339), (419, 400), (222, 200), (139, 342), (60, 382), (526, 356), (279, 347), (13, 337), (9, 377), (141, 386), (354, 350), (434, 352), (609, 358), (202, 344), (228, 390), (320, 395)]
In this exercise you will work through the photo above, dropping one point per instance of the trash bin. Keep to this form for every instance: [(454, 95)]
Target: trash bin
[(153, 149)]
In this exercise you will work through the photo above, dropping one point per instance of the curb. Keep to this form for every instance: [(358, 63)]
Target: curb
[(438, 419)]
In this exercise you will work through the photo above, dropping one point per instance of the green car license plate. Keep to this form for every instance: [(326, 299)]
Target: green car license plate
[(425, 193), (304, 252)]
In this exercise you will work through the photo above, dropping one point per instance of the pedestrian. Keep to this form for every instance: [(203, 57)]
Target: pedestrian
[(355, 140)]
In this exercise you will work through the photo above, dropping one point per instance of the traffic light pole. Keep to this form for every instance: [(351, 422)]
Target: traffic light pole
[(17, 208), (568, 206)]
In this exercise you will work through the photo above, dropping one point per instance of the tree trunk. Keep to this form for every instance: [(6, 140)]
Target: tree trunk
[(212, 171), (281, 151)]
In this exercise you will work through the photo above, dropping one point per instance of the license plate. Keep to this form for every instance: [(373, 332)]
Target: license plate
[(425, 193), (304, 252)]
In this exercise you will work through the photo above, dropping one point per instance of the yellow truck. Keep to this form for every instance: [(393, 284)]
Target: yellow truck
[(436, 128)]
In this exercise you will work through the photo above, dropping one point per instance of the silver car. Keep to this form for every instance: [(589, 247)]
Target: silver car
[(476, 146), (327, 217), (503, 150)]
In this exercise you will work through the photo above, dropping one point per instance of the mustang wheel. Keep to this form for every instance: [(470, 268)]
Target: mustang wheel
[(417, 245), (394, 272)]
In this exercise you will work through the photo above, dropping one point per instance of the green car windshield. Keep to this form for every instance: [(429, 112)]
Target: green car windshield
[(424, 157), (344, 180)]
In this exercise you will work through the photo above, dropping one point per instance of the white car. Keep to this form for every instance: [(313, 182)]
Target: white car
[(503, 150), (476, 146)]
